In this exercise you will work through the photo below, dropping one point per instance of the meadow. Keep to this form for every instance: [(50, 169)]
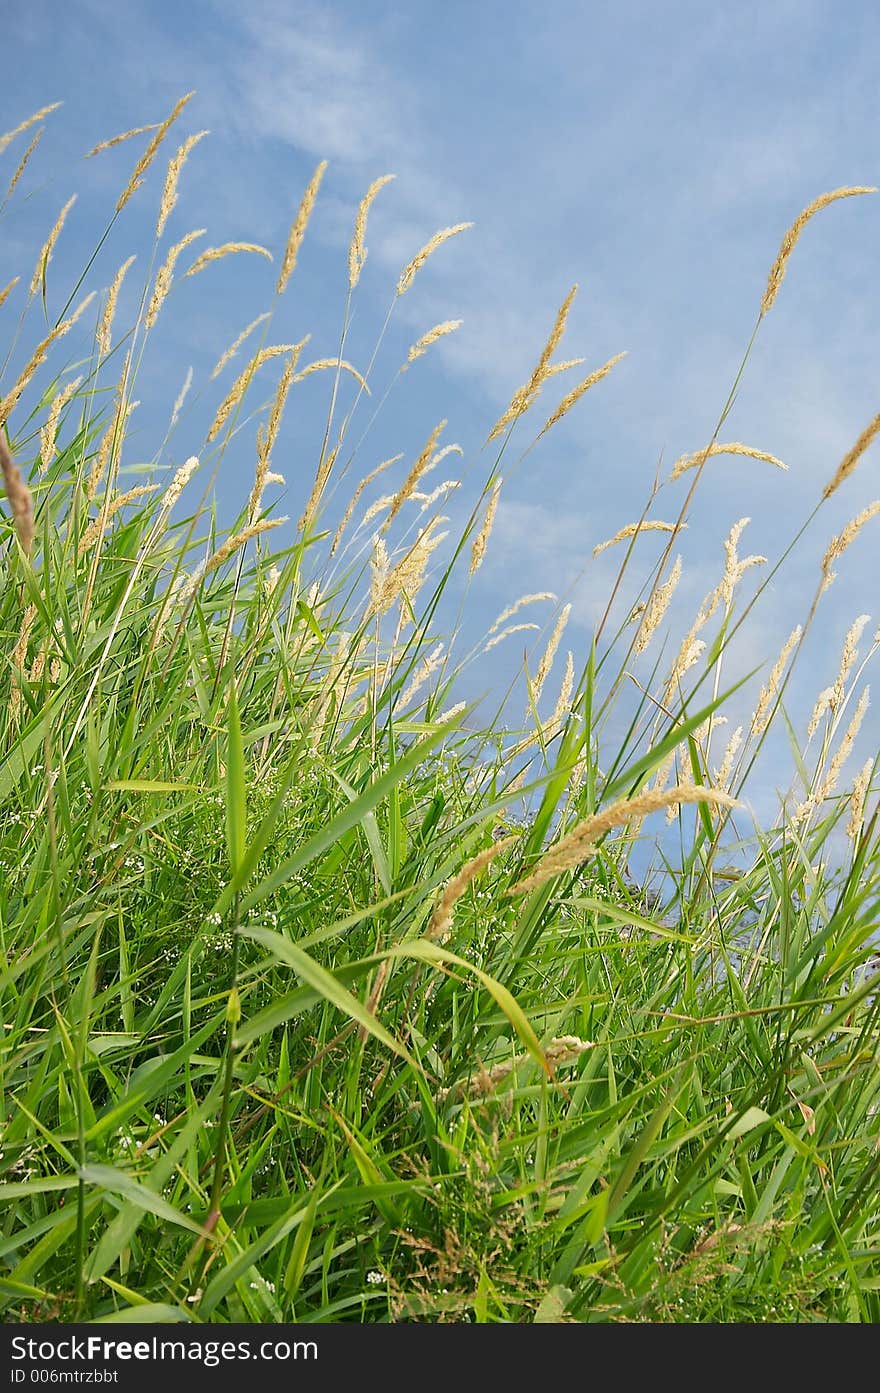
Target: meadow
[(326, 997)]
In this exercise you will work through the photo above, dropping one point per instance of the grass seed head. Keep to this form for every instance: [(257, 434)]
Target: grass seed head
[(408, 273), (50, 429), (422, 345), (656, 608), (734, 447), (109, 312), (165, 275), (23, 164), (770, 690), (19, 495), (580, 843), (852, 457), (357, 252), (172, 178), (777, 270), (146, 159), (440, 923), (118, 139), (237, 343), (212, 254), (857, 800), (633, 529), (839, 544), (38, 358), (298, 228), (7, 139), (481, 541), (39, 276)]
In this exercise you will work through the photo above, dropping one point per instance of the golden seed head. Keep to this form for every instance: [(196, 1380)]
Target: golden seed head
[(725, 769), (243, 381), (181, 478), (118, 139), (408, 273), (20, 499), (236, 344), (380, 566), (266, 442), (767, 697), (227, 249), (632, 529), (481, 541), (23, 163), (111, 441), (421, 466), (337, 365), (563, 702), (581, 842), (733, 447), (39, 276), (8, 289), (20, 651), (577, 392), (50, 429), (38, 357), (172, 178), (851, 459), (298, 229), (426, 668), (285, 382), (777, 271), (553, 342), (439, 331), (839, 544), (549, 654), (357, 252), (845, 748), (440, 923), (146, 159), (441, 491), (831, 699), (518, 605), (311, 509), (857, 800), (379, 505), (355, 498), (506, 633), (7, 139), (165, 275), (526, 395), (223, 553), (408, 576), (106, 324), (656, 608), (98, 526)]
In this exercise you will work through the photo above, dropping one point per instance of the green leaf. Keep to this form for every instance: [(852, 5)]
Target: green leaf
[(323, 982), (151, 1313), (349, 817), (109, 1178), (432, 953), (553, 1304), (751, 1118), (236, 794)]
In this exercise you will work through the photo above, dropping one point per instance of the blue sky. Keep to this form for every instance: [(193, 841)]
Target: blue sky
[(654, 153)]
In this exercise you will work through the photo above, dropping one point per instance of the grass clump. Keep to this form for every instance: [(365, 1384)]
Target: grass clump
[(325, 997)]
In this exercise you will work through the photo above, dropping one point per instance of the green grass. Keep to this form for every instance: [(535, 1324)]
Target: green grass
[(244, 1080)]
